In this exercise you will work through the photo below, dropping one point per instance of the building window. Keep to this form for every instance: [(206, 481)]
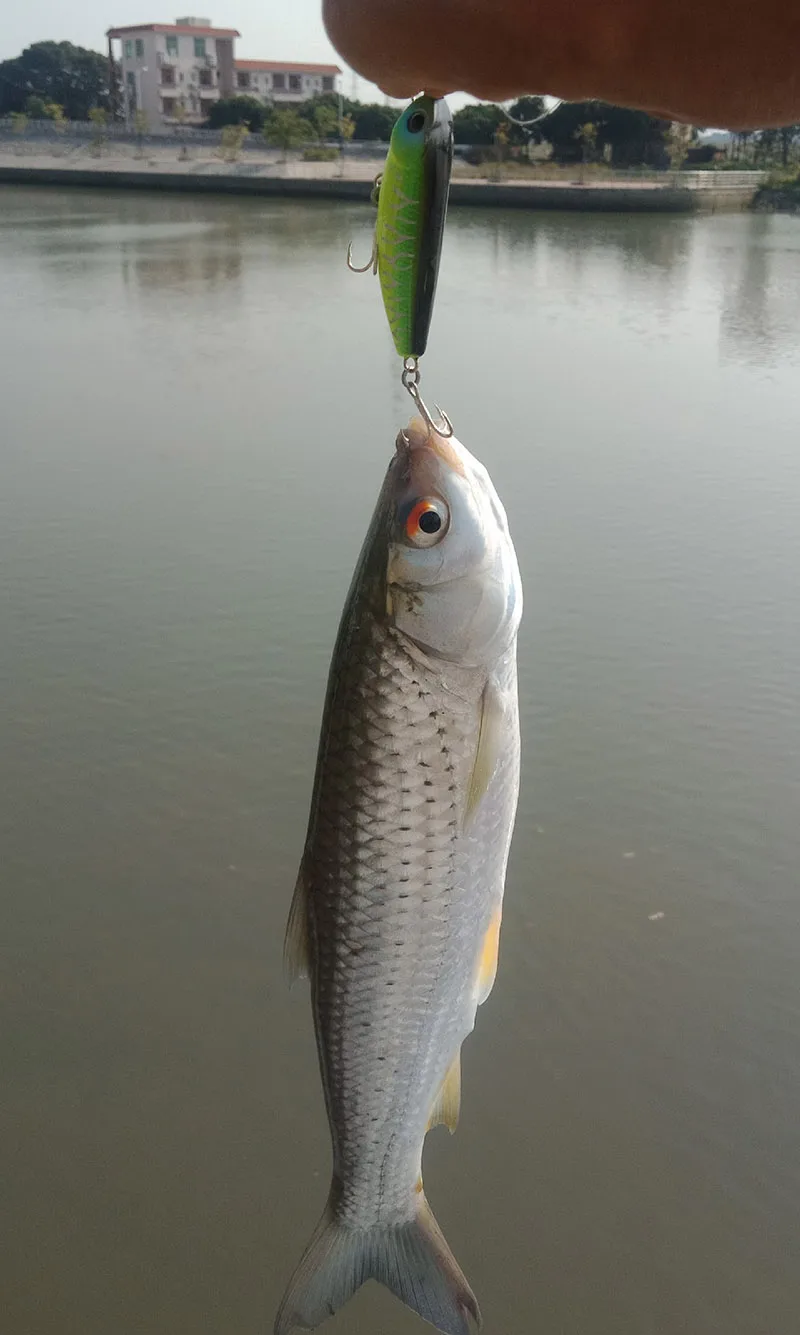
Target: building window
[(294, 83), (168, 106), (167, 76), (129, 49), (204, 78), (139, 48), (279, 81), (200, 47), (172, 46), (242, 80), (327, 83)]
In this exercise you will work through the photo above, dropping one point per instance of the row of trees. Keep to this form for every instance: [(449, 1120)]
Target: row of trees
[(577, 131), (58, 80), (362, 120)]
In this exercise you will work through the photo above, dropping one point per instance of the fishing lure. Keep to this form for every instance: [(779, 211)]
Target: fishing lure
[(411, 194)]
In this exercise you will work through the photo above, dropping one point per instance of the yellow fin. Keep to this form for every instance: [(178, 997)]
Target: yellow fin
[(487, 960), (490, 737), (448, 1101), (296, 953)]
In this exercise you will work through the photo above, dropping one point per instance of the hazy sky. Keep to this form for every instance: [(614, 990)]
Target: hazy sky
[(291, 30)]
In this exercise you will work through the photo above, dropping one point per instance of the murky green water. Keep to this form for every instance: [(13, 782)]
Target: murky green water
[(197, 404)]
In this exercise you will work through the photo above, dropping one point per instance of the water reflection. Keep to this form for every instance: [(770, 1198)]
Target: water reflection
[(657, 241), (185, 263), (760, 315)]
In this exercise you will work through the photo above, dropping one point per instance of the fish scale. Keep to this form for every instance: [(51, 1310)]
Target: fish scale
[(385, 822)]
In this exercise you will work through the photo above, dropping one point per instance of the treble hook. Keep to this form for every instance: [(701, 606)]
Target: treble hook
[(372, 262), (410, 379)]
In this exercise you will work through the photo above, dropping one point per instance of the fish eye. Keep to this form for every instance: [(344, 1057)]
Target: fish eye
[(426, 522), (416, 122)]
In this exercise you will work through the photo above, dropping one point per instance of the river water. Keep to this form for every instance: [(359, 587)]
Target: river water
[(197, 405)]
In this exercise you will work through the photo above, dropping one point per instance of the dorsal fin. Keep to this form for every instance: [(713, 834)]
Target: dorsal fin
[(296, 953)]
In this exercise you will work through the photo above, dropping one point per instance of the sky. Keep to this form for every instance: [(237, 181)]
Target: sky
[(270, 31)]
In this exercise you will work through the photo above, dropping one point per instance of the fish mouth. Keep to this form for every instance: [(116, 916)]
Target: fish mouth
[(418, 436)]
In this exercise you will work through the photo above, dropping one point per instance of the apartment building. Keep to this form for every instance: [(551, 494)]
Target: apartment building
[(284, 82), (174, 71), (187, 62)]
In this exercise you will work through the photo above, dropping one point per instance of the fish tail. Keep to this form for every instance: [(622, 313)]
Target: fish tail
[(412, 1260)]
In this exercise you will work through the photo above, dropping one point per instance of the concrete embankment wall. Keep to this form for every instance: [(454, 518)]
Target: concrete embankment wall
[(640, 197)]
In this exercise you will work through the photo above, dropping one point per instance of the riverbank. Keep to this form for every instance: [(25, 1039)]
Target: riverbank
[(158, 169)]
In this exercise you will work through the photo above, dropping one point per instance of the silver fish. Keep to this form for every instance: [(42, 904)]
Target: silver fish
[(396, 914)]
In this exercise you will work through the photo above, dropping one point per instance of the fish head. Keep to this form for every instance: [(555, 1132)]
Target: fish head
[(452, 581), (426, 123)]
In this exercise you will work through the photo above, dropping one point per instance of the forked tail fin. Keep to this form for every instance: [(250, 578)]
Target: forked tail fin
[(412, 1260)]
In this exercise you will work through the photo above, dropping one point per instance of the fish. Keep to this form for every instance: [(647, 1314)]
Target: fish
[(396, 913), (412, 195)]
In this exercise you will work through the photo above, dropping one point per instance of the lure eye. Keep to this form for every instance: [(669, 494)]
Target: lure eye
[(416, 122), (427, 522)]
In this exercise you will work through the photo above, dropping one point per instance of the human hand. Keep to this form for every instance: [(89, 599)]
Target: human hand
[(711, 62)]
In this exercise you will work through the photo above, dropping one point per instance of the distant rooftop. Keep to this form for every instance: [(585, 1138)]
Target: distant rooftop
[(192, 27), (279, 66)]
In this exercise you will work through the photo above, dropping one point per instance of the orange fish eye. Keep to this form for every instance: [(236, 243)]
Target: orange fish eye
[(426, 522)]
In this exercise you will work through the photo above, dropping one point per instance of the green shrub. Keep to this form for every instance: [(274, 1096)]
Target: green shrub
[(321, 154)]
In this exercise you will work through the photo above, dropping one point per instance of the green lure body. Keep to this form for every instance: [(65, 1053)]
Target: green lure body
[(412, 204)]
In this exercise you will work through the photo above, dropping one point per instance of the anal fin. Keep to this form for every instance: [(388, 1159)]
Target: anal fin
[(447, 1105)]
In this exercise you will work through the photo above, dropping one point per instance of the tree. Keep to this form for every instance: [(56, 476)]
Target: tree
[(140, 126), (789, 134), (325, 121), (179, 115), (635, 138), (477, 123), (39, 110), (526, 109), (286, 129), (374, 121), (347, 128), (677, 139), (240, 110), (71, 76), (586, 136), (307, 109), (233, 137), (35, 107), (99, 119)]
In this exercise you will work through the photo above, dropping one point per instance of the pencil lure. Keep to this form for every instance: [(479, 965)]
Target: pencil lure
[(412, 193)]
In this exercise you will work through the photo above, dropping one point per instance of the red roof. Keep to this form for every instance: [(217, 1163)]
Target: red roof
[(173, 28), (281, 66)]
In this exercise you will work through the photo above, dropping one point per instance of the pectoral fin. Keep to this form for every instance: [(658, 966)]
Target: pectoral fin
[(296, 952), (487, 961), (490, 741), (447, 1107)]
